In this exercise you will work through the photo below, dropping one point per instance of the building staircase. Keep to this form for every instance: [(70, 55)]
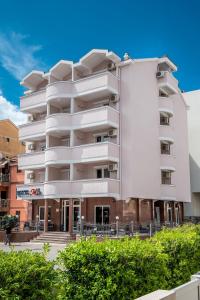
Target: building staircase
[(53, 237)]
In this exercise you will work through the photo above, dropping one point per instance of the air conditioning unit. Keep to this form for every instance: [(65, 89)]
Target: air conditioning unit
[(31, 147), (112, 167), (111, 66), (30, 118), (112, 133), (31, 175), (114, 98), (160, 74)]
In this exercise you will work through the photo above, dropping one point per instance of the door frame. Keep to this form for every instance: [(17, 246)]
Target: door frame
[(102, 213)]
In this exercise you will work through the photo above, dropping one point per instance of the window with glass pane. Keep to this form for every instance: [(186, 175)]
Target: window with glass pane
[(106, 173), (164, 120), (98, 139), (99, 173), (102, 215), (166, 177), (165, 148)]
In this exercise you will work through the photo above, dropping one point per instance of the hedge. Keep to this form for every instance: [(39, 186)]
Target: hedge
[(129, 268), (26, 275), (113, 269)]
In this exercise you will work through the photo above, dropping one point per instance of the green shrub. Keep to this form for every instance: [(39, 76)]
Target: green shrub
[(26, 275), (111, 269), (182, 245)]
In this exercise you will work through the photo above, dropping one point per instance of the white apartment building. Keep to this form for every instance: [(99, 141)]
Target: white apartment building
[(192, 210), (106, 138)]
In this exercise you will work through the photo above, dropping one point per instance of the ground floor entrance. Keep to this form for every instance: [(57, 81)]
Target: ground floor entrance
[(70, 214)]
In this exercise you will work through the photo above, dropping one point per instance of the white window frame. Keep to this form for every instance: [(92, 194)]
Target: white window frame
[(102, 168)]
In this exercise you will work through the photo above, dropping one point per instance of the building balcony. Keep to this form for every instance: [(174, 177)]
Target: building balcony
[(82, 188), (32, 131), (32, 160), (168, 192), (31, 102), (70, 189), (98, 85), (97, 117), (105, 151), (167, 83), (59, 89)]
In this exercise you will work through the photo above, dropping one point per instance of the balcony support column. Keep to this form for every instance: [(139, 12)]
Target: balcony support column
[(71, 172), (72, 106), (70, 216), (71, 138), (45, 215)]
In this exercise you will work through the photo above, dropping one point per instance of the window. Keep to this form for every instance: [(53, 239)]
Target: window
[(7, 139), (166, 177), (164, 120), (165, 147), (41, 213), (102, 138), (102, 215), (102, 172)]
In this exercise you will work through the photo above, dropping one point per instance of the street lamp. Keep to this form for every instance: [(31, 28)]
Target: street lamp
[(82, 221), (37, 223)]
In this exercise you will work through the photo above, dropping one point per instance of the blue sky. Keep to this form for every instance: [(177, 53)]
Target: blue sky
[(36, 34)]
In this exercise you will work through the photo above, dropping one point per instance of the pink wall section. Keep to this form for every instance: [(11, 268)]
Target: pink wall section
[(140, 133)]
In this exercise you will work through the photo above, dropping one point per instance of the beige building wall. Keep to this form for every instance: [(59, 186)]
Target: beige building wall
[(9, 140)]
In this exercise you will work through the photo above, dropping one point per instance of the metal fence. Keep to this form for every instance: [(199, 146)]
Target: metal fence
[(88, 229)]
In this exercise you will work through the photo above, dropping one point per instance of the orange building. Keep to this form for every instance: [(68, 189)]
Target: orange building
[(21, 208), (9, 139), (10, 147)]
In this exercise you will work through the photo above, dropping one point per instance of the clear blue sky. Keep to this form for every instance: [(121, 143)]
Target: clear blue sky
[(39, 33)]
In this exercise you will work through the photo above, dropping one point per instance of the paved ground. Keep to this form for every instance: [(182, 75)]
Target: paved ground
[(55, 248)]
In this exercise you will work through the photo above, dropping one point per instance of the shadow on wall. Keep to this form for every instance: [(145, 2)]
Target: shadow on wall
[(195, 188)]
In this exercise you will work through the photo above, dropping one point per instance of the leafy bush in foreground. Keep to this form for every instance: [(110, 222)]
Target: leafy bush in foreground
[(112, 269), (182, 245), (26, 275)]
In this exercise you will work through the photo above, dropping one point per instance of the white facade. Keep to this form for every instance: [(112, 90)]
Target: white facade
[(103, 127)]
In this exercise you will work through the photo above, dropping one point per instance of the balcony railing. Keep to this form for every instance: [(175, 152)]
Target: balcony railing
[(4, 177)]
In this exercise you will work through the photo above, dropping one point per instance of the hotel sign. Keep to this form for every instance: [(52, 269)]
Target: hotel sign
[(29, 192)]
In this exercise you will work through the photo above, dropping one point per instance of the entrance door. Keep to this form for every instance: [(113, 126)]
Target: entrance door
[(157, 214), (102, 215)]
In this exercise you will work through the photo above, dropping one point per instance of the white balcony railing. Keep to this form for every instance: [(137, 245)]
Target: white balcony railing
[(100, 116), (32, 160), (32, 130), (84, 153), (33, 100), (82, 188)]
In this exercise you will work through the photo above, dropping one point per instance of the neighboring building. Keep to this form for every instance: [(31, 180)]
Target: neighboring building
[(20, 208), (9, 139), (107, 138), (192, 210), (11, 176)]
